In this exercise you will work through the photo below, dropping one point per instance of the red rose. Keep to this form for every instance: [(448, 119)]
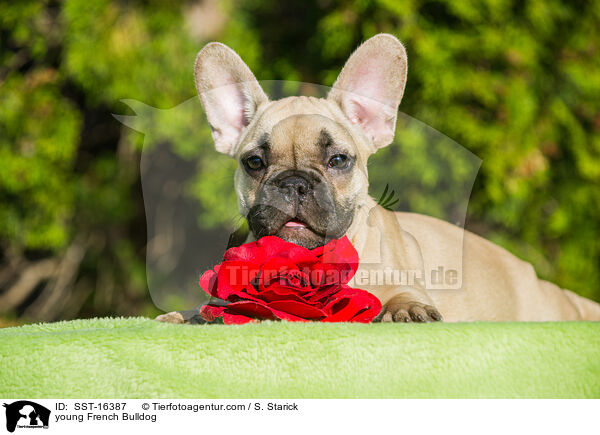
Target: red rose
[(274, 279)]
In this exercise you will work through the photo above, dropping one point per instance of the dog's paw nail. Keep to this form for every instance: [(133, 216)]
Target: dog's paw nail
[(387, 317), (435, 316), (407, 312), (401, 316), (418, 314)]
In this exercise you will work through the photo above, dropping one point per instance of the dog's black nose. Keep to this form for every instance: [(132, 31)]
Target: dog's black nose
[(294, 185)]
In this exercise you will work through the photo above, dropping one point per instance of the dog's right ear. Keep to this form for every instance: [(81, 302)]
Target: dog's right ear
[(229, 92), (370, 87)]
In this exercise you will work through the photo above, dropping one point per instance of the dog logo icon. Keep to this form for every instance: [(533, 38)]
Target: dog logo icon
[(26, 414)]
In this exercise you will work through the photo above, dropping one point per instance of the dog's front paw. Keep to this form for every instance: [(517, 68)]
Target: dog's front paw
[(402, 311), (172, 317)]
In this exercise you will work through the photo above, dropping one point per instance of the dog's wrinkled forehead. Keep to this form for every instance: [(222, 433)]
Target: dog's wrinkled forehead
[(297, 127)]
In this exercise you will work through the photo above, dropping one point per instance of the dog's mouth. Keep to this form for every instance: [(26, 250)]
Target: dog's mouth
[(296, 226), (298, 231), (295, 223), (307, 228)]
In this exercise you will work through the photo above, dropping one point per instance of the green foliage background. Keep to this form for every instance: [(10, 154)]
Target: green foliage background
[(517, 83)]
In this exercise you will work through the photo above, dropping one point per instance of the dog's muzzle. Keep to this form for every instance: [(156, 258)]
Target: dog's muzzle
[(295, 188)]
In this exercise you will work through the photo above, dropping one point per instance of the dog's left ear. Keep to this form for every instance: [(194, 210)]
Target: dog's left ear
[(371, 85)]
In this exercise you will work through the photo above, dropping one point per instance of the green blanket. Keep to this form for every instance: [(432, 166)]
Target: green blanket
[(141, 358)]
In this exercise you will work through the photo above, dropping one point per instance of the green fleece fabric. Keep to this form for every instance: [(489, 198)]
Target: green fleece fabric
[(141, 358)]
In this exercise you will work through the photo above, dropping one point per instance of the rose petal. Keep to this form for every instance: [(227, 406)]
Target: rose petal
[(275, 247), (282, 293), (272, 269), (328, 247), (300, 309), (257, 309), (296, 278), (367, 315), (236, 319), (235, 278), (258, 252), (285, 288), (246, 252), (324, 293), (211, 312), (341, 254), (261, 311), (348, 305), (299, 255), (326, 274), (208, 281)]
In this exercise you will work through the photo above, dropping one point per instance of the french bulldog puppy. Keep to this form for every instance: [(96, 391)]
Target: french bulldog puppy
[(302, 176)]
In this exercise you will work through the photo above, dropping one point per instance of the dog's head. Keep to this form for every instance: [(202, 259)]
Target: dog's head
[(302, 171)]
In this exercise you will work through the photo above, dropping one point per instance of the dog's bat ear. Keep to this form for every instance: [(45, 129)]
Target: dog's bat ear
[(229, 92), (371, 85)]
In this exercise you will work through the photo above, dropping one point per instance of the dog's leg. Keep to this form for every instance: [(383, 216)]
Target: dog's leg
[(385, 246), (404, 307)]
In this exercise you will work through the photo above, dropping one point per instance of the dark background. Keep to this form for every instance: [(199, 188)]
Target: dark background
[(515, 82)]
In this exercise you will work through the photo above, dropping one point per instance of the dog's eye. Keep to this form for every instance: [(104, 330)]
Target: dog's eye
[(254, 163), (339, 161)]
